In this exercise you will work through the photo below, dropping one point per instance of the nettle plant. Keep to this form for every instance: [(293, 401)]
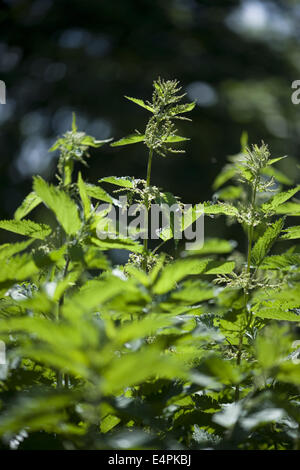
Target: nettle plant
[(194, 352)]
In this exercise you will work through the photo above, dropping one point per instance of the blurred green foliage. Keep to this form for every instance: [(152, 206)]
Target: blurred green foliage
[(237, 59)]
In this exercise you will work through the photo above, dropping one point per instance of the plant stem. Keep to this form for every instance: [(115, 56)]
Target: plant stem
[(246, 291), (149, 167), (147, 205), (60, 375), (250, 231)]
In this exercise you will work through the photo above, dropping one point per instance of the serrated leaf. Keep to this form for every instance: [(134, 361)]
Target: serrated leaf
[(118, 244), (266, 241), (217, 267), (9, 249), (130, 139), (182, 108), (84, 196), (290, 208), (60, 203), (124, 182), (283, 299), (177, 271), (98, 193), (30, 202), (140, 102), (291, 233), (286, 260), (276, 314), (27, 228), (279, 199), (245, 172), (175, 138), (274, 160), (19, 267), (220, 208)]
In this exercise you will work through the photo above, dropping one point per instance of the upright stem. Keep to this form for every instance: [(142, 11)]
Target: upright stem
[(250, 231), (149, 167), (61, 378), (147, 205), (246, 293)]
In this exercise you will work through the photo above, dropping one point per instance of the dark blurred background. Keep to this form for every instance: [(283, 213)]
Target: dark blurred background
[(237, 59)]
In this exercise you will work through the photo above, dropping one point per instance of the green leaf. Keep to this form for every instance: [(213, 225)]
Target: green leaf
[(98, 193), (226, 174), (27, 228), (277, 175), (141, 328), (188, 217), (217, 267), (244, 141), (60, 203), (220, 208), (286, 260), (126, 370), (118, 244), (279, 199), (266, 241), (19, 267), (95, 258), (245, 172), (276, 314), (224, 370), (108, 423), (290, 209), (283, 299), (44, 412), (30, 202), (92, 294), (272, 345), (192, 292), (91, 142), (230, 193), (9, 249), (141, 103), (84, 197), (182, 108), (215, 245), (124, 182), (292, 233), (74, 125), (130, 139), (175, 138), (275, 160), (177, 271), (138, 274), (289, 373)]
